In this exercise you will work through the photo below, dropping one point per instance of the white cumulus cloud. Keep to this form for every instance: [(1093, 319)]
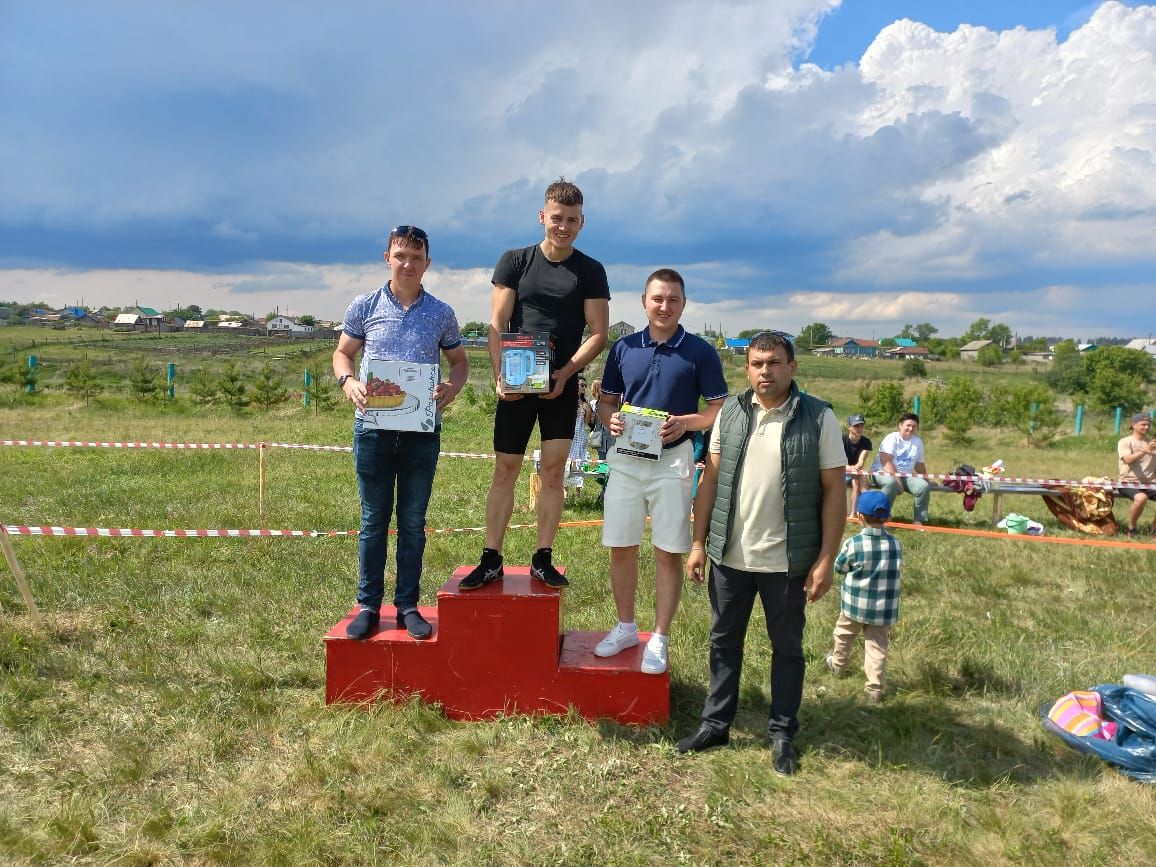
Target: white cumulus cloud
[(1003, 174)]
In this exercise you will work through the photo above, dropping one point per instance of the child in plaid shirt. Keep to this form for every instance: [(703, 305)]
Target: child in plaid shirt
[(871, 560)]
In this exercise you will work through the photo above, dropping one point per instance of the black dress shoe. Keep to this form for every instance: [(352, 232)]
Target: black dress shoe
[(705, 738), (364, 624), (783, 757), (416, 625)]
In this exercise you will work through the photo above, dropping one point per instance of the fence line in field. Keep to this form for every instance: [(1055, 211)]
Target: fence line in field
[(990, 481), (8, 530)]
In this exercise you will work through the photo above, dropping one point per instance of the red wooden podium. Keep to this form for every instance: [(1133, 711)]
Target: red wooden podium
[(497, 650)]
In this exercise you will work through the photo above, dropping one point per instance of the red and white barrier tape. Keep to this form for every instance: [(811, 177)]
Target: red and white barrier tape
[(135, 533), (303, 447), (213, 446), (127, 532), (128, 445), (130, 533), (994, 482)]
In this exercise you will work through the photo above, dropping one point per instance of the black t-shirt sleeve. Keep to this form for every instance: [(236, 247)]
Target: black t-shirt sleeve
[(509, 269), (595, 284)]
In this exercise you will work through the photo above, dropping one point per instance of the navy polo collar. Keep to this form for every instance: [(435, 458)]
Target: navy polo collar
[(675, 339)]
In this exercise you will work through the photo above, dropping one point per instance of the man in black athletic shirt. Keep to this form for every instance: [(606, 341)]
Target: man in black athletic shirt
[(548, 288)]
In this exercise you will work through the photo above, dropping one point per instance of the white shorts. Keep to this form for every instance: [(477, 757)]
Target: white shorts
[(661, 489)]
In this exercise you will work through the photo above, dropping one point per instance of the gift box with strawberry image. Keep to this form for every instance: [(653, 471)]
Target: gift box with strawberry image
[(382, 393), (399, 395)]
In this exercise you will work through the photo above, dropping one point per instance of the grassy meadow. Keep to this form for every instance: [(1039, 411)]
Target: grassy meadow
[(171, 709)]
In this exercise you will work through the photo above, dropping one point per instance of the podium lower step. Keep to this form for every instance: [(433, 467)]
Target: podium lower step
[(495, 651)]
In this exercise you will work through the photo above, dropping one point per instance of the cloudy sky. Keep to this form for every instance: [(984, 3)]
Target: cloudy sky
[(865, 164)]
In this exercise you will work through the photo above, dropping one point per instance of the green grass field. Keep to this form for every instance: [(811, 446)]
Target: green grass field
[(171, 710)]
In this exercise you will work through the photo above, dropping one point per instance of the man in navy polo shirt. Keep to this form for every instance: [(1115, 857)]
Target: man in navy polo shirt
[(665, 368)]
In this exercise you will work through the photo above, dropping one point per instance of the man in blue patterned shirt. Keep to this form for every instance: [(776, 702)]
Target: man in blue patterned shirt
[(398, 322), (871, 560)]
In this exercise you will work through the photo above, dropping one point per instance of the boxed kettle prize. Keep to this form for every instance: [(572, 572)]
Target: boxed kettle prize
[(399, 395), (640, 436), (526, 363)]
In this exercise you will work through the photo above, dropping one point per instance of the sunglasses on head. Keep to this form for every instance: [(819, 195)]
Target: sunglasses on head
[(408, 232)]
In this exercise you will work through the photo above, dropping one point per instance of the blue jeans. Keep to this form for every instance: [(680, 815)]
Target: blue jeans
[(383, 459), (918, 488)]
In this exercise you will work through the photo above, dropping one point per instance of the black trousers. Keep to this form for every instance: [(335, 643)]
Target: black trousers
[(732, 598)]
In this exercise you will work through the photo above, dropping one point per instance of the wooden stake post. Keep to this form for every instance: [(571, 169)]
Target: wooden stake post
[(18, 573), (261, 480)]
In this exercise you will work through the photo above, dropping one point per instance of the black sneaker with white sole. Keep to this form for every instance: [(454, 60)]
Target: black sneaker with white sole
[(548, 575), (484, 573)]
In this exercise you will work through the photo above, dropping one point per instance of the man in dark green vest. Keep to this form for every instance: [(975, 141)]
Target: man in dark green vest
[(769, 515)]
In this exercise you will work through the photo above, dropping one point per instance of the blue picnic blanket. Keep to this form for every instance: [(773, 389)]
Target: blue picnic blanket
[(1133, 749)]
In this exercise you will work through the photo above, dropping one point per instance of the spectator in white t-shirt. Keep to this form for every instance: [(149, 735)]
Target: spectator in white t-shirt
[(901, 452)]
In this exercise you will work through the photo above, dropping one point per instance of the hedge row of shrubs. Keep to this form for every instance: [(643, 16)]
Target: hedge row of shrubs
[(229, 386), (962, 404)]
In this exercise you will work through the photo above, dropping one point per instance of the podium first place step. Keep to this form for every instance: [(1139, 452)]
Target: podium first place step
[(496, 650)]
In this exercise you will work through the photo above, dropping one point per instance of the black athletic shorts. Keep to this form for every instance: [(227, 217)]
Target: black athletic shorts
[(515, 419), (1131, 493)]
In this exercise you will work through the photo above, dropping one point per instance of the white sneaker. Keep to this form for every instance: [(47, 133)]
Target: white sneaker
[(617, 640), (654, 657)]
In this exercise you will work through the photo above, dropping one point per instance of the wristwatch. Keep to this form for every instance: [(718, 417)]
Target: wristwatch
[(341, 379)]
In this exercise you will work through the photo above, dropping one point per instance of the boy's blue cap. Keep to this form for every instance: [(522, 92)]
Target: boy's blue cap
[(874, 504)]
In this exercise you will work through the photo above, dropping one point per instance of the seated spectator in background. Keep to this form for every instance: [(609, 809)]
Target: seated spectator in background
[(1137, 456), (902, 452), (857, 447)]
